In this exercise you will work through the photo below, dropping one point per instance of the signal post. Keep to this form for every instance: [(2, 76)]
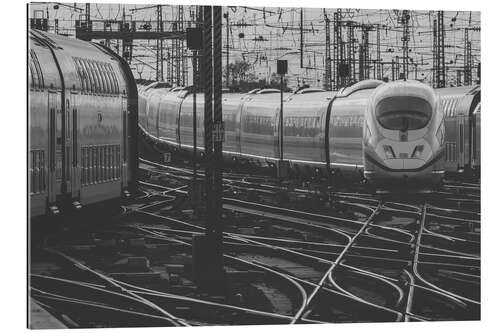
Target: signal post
[(208, 265)]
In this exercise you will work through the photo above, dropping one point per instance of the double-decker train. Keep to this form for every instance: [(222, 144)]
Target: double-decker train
[(82, 124), (462, 113), (383, 132)]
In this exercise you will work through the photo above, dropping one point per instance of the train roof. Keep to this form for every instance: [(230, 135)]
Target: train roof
[(462, 90), (459, 100)]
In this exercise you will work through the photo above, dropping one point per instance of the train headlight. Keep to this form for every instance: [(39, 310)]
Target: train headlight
[(389, 152), (417, 152)]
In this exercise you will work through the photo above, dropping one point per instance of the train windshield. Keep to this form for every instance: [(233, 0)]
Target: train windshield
[(403, 113)]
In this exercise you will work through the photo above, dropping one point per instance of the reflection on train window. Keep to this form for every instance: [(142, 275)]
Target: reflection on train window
[(304, 126), (258, 124), (449, 106), (96, 76), (403, 113), (348, 121), (229, 121), (35, 71)]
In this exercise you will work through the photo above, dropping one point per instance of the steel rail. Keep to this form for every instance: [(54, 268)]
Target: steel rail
[(323, 280), (178, 321)]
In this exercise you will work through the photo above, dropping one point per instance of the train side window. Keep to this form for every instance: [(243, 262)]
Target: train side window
[(108, 162), (84, 167), (97, 85), (39, 76), (90, 78), (107, 78), (82, 74), (94, 164), (31, 76), (114, 80), (93, 78), (102, 75), (85, 76), (102, 79), (98, 74), (36, 76)]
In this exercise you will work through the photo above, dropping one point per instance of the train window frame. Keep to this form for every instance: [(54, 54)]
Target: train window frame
[(109, 80), (98, 75), (90, 77), (414, 114), (102, 76), (85, 76), (102, 79), (94, 84), (115, 80), (79, 72), (40, 83), (31, 75)]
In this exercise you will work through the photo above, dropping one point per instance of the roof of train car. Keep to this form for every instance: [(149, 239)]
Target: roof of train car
[(76, 46), (462, 90)]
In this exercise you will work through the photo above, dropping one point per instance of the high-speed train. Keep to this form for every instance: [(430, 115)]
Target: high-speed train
[(382, 132), (404, 135), (82, 124)]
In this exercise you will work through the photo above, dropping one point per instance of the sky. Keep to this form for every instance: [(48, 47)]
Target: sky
[(263, 35)]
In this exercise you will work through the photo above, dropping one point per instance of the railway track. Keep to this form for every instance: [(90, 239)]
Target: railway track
[(352, 257)]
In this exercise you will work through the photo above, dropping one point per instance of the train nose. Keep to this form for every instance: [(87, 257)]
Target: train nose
[(404, 156)]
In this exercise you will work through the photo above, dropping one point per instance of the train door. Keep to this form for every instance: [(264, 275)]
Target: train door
[(477, 137), (67, 147), (125, 132), (239, 125), (55, 145), (461, 142), (72, 149)]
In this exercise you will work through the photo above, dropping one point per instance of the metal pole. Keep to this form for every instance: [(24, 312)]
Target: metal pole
[(301, 38), (281, 119), (208, 81), (195, 134), (219, 133), (227, 49), (328, 57), (379, 60)]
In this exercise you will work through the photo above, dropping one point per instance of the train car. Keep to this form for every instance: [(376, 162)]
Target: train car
[(324, 132), (458, 105), (404, 136), (476, 140), (305, 116), (345, 129), (82, 120)]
